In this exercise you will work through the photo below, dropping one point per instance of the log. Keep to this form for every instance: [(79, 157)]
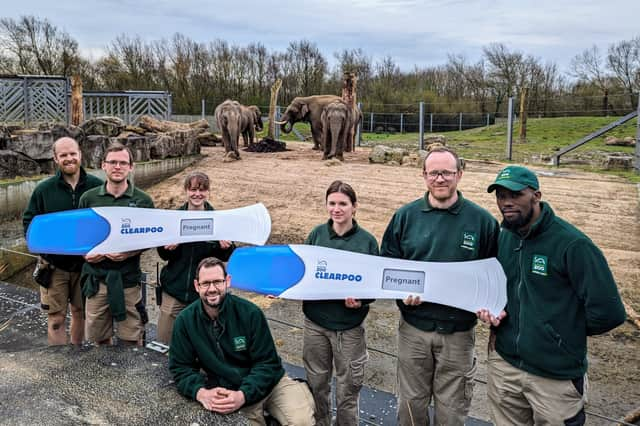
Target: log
[(163, 126), (632, 417)]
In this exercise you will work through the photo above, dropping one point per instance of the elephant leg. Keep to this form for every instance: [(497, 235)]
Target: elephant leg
[(316, 133), (335, 138)]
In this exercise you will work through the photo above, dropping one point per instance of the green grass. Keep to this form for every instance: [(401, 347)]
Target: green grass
[(545, 136)]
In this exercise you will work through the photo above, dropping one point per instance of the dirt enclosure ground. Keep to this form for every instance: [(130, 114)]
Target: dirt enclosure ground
[(291, 184)]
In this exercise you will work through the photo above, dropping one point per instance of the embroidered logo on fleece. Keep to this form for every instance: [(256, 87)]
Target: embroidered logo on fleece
[(468, 240), (239, 343), (539, 264)]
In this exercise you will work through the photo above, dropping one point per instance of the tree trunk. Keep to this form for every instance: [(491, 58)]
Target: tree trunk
[(523, 114), (271, 134), (77, 112), (350, 96)]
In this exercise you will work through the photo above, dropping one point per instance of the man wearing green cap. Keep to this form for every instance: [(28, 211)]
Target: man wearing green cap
[(436, 343), (560, 290)]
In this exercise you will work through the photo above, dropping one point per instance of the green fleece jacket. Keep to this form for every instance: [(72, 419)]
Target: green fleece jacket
[(53, 195), (560, 290), (332, 314), (116, 275), (418, 231), (178, 274), (236, 352)]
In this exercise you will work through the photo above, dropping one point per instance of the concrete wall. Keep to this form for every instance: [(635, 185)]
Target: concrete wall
[(14, 196)]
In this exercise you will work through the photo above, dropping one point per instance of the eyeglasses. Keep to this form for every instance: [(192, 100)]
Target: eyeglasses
[(207, 284), (114, 163), (446, 174)]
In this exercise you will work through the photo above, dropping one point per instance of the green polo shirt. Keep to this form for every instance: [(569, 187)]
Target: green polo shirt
[(332, 314), (419, 231)]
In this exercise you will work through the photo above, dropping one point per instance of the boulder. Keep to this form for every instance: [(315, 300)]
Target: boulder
[(431, 139), (93, 150), (618, 161), (104, 126), (186, 141), (208, 139), (139, 145), (615, 141), (14, 164), (162, 146), (379, 154), (35, 144)]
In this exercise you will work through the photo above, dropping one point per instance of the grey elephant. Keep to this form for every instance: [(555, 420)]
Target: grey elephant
[(337, 125), (308, 109), (229, 117), (251, 121)]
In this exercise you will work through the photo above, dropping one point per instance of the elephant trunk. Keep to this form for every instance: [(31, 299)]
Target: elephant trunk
[(285, 126)]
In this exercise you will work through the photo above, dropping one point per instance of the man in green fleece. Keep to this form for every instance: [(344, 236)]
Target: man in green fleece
[(58, 193), (436, 356), (111, 282), (560, 290), (228, 339)]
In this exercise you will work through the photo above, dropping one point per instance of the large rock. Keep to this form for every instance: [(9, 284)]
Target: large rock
[(618, 161), (208, 139), (104, 126), (162, 146), (93, 150), (35, 144), (385, 154), (186, 141), (139, 145), (14, 164), (615, 141), (431, 139)]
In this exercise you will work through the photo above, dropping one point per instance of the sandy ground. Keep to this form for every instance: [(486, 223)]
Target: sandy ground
[(291, 184)]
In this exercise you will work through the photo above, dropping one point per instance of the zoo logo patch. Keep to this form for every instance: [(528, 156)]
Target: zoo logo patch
[(468, 240), (539, 264), (239, 343)]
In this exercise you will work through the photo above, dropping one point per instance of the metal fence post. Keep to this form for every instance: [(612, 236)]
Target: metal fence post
[(421, 125), (487, 119), (431, 123), (371, 122), (460, 123), (359, 128), (509, 128), (401, 123), (169, 105), (276, 128), (202, 111), (638, 139), (25, 91)]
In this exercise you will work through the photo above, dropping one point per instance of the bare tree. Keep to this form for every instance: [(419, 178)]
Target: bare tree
[(589, 66), (623, 60), (35, 46)]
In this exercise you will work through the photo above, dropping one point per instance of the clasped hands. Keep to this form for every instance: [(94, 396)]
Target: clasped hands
[(220, 400)]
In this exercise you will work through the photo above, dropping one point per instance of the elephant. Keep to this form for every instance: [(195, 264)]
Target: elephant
[(307, 109), (251, 121), (228, 117), (337, 126)]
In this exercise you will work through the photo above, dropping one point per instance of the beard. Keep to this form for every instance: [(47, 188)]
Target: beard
[(70, 168), (216, 304), (518, 222)]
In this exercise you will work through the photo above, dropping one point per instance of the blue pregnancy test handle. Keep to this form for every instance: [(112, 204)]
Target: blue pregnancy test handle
[(266, 270), (73, 232)]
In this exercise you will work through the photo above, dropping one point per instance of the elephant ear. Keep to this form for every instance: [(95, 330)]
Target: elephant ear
[(304, 110)]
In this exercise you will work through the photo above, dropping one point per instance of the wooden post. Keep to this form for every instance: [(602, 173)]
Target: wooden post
[(77, 112), (509, 128), (523, 114), (271, 134), (350, 96)]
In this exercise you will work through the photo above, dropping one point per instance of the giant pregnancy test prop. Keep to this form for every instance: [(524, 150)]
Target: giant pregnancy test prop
[(102, 230), (318, 273)]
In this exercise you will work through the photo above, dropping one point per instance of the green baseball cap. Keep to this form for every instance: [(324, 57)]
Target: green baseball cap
[(515, 178)]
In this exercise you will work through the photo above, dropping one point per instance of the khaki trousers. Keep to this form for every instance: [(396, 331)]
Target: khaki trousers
[(347, 351), (169, 310), (65, 288), (290, 403), (99, 322), (518, 397), (435, 365)]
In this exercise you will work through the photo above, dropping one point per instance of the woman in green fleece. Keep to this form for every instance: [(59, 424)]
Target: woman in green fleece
[(177, 276), (333, 331)]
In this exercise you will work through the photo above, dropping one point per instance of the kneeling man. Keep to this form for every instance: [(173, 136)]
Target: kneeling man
[(228, 338)]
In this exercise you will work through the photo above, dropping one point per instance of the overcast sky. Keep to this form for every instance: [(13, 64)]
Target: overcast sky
[(412, 32)]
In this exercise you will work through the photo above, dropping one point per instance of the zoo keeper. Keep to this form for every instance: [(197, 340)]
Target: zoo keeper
[(333, 330), (560, 290), (111, 282), (59, 277), (436, 356), (228, 338), (178, 274)]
